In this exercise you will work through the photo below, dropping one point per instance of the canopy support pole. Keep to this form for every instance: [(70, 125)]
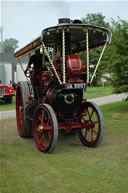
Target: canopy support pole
[(51, 63), (87, 55), (63, 54), (94, 73), (43, 58)]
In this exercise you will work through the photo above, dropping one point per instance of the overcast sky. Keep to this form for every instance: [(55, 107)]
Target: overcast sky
[(23, 20)]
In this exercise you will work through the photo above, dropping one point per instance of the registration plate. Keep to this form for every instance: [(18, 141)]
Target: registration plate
[(76, 86)]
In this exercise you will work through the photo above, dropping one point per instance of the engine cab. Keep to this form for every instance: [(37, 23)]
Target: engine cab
[(67, 77)]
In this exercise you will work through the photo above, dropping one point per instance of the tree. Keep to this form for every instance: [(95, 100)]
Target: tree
[(119, 58), (95, 19), (10, 45), (115, 59)]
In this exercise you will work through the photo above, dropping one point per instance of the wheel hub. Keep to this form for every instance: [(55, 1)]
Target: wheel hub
[(40, 128), (20, 108), (90, 124)]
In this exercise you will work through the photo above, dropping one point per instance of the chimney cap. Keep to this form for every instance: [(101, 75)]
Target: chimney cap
[(64, 20)]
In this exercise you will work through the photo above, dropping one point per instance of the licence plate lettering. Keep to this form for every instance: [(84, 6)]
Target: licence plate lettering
[(75, 86)]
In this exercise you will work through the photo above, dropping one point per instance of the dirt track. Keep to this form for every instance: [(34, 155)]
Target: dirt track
[(99, 101)]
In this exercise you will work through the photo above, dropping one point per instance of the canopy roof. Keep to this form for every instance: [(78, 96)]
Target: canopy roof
[(34, 43), (98, 36)]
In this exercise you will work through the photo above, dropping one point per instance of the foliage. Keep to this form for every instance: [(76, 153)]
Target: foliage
[(115, 58), (119, 59), (95, 19), (10, 45)]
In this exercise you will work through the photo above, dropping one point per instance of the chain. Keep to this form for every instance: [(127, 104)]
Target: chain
[(63, 53)]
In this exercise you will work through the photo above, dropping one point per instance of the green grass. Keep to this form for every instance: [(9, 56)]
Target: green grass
[(92, 92), (5, 107), (71, 168)]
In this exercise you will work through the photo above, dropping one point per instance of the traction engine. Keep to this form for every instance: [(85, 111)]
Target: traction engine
[(53, 99)]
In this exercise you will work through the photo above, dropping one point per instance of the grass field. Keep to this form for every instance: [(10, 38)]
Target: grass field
[(71, 168), (92, 92), (5, 107)]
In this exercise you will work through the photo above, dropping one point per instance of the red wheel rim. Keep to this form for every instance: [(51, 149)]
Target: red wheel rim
[(90, 126), (19, 109), (43, 129)]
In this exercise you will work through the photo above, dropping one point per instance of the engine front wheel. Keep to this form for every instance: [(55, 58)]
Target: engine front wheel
[(92, 130), (45, 128)]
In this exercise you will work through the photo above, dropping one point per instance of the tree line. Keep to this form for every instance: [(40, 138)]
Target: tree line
[(115, 59)]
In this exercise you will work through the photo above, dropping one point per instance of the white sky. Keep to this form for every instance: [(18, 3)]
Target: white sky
[(23, 20)]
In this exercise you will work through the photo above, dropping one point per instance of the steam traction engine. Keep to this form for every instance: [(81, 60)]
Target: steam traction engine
[(52, 99)]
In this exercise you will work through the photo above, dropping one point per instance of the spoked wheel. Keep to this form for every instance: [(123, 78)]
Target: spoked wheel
[(22, 94), (45, 128), (92, 130)]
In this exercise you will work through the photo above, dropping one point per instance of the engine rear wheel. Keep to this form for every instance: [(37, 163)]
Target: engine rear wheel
[(92, 130), (24, 125), (45, 128)]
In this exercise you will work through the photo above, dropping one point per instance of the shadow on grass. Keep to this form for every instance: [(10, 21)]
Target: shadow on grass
[(66, 143)]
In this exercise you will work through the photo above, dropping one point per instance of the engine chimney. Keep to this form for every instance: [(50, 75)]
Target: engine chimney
[(67, 36), (64, 20)]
